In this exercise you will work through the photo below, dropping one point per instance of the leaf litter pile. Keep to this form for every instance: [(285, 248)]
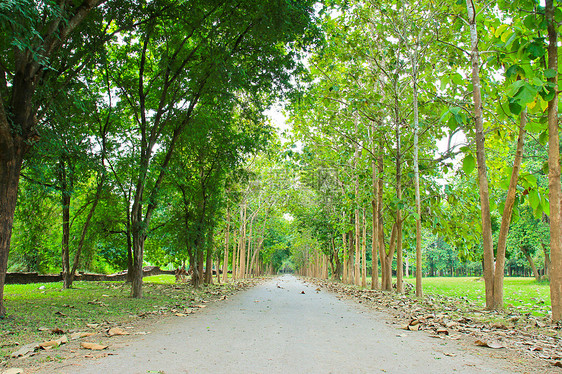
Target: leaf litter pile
[(456, 318), (87, 322)]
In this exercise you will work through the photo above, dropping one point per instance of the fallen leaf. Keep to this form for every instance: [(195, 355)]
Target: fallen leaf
[(116, 331), (442, 331), (499, 325), (93, 346), (180, 315), (23, 351), (200, 306), (53, 343), (57, 331), (414, 327), (493, 345), (302, 292), (60, 314), (449, 354), (557, 364), (43, 329), (78, 335), (92, 325)]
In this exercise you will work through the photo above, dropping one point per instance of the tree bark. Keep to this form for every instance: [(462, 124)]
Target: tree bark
[(374, 229), (226, 246), (11, 159), (488, 249), (399, 264), (345, 259), (531, 263), (506, 216), (209, 258), (554, 170), (65, 185), (364, 253), (419, 289)]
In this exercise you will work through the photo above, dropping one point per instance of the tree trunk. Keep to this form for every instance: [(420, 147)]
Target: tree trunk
[(374, 229), (506, 216), (11, 158), (138, 256), (419, 289), (345, 259), (481, 160), (546, 261), (65, 200), (554, 171), (130, 270), (226, 245), (209, 259), (242, 268), (531, 263), (399, 264), (357, 272), (364, 254)]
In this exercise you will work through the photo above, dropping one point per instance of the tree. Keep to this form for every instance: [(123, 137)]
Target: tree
[(43, 45)]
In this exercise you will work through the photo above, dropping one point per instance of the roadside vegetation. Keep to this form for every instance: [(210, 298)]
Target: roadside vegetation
[(45, 311)]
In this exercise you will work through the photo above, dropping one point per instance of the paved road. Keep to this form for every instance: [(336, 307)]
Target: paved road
[(274, 328)]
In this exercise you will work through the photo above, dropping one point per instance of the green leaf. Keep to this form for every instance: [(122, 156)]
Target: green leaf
[(468, 164), (534, 127), (514, 88), (534, 199), (550, 73), (514, 107), (513, 70), (543, 137)]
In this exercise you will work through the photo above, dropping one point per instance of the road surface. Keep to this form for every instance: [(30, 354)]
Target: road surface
[(285, 326)]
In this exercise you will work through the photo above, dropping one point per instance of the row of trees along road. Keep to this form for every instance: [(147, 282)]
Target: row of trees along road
[(392, 80), (135, 131), (120, 112)]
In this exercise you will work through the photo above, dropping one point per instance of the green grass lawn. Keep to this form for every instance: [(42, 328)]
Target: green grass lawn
[(31, 306), (523, 294)]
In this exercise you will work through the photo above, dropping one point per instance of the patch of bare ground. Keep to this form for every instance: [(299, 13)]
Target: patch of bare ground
[(532, 344)]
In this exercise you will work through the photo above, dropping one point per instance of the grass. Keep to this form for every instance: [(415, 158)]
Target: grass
[(31, 306), (525, 295)]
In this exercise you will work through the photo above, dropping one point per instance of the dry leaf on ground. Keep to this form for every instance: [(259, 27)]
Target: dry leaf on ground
[(78, 335), (24, 351), (116, 331), (491, 344), (93, 346), (53, 343)]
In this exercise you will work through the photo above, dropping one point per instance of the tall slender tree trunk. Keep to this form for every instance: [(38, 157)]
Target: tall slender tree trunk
[(506, 216), (546, 261), (209, 258), (242, 268), (65, 200), (226, 246), (419, 289), (357, 272), (374, 229), (345, 259), (235, 259), (488, 255), (531, 263), (554, 170), (364, 253), (399, 257)]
